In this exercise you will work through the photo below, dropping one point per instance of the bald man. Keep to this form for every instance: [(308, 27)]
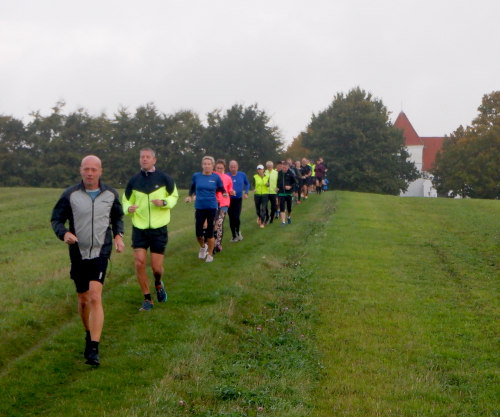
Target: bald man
[(95, 216)]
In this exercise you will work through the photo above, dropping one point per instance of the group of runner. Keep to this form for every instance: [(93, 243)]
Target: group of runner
[(277, 189), (95, 213)]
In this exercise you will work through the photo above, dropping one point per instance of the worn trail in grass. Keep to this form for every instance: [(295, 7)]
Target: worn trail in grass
[(234, 335), (366, 305)]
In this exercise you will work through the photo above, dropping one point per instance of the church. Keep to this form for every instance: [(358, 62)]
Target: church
[(422, 152)]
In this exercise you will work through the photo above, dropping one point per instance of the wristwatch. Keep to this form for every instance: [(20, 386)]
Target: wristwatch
[(164, 202)]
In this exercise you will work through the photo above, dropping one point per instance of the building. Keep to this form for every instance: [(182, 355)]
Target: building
[(422, 152)]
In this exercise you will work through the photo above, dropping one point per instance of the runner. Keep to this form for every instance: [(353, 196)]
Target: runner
[(295, 173), (279, 166), (300, 182), (240, 183), (286, 180), (224, 203), (272, 174), (319, 174), (305, 169), (95, 216), (261, 184), (148, 199), (204, 185), (310, 181)]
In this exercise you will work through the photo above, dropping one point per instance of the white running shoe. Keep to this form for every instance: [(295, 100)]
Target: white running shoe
[(203, 252), (235, 239), (210, 258), (240, 237)]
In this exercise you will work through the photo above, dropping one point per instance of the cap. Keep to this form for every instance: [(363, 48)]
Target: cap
[(260, 166)]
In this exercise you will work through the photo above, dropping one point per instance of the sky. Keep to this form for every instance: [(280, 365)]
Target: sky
[(432, 59)]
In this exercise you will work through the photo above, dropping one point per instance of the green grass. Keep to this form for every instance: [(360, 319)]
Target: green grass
[(366, 305)]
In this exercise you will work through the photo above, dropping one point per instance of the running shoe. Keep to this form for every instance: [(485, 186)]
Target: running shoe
[(240, 237), (217, 248), (93, 359), (210, 258), (298, 202), (283, 224), (262, 225), (258, 220), (235, 239), (289, 220), (161, 295), (147, 305), (203, 252)]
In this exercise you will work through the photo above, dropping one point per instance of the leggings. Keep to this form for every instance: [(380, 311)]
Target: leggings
[(219, 226), (261, 205), (274, 208), (234, 215), (200, 216)]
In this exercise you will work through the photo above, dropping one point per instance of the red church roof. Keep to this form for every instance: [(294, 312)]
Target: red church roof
[(411, 136), (431, 145)]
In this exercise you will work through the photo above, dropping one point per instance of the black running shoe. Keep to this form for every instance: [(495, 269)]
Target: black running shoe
[(93, 359)]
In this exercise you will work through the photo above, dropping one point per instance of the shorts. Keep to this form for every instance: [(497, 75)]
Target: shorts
[(320, 179), (200, 215), (154, 239), (286, 203), (85, 270)]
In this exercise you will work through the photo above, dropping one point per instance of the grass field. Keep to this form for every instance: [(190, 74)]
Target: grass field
[(366, 305)]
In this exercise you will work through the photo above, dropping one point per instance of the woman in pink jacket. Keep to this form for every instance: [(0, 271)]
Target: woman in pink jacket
[(220, 167)]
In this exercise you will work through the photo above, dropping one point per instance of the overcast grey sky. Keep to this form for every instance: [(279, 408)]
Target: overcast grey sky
[(438, 58)]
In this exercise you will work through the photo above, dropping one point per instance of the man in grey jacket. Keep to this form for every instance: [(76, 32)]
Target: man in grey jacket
[(95, 217)]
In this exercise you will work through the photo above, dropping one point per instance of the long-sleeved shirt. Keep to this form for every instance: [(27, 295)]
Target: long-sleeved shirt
[(141, 190), (261, 184), (228, 185), (93, 221), (284, 179), (240, 183), (205, 187)]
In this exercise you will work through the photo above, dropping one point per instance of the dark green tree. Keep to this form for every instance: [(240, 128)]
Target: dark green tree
[(469, 162), (244, 134), (14, 152), (363, 150)]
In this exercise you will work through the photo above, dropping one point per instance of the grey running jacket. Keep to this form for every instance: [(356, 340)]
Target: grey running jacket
[(90, 221)]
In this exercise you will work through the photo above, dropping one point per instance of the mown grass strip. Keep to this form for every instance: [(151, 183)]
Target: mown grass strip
[(234, 336)]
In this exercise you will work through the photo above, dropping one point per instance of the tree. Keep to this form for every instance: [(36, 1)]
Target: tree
[(14, 153), (243, 134), (469, 162), (296, 149), (364, 151)]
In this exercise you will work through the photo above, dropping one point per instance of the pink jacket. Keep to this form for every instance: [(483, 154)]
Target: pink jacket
[(228, 185)]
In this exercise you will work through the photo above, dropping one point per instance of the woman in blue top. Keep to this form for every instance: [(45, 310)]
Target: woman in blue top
[(204, 185)]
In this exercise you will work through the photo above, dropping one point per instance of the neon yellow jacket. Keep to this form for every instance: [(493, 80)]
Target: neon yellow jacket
[(260, 184), (141, 190), (273, 180)]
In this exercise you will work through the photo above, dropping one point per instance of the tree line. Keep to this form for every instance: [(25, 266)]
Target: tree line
[(363, 150), (469, 162), (47, 151)]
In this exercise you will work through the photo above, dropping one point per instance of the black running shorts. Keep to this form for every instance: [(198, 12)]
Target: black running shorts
[(85, 270), (154, 239)]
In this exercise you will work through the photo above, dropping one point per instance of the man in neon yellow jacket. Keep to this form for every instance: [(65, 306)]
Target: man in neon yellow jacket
[(148, 198)]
